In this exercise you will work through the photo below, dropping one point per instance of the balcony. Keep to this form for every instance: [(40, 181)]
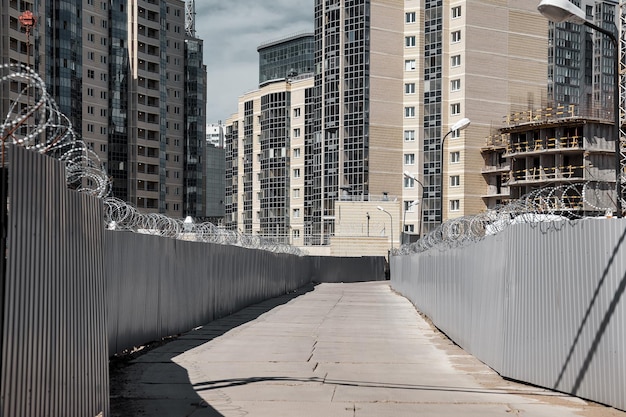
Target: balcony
[(568, 173)]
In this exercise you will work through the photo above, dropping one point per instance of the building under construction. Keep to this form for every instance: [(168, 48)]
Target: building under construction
[(552, 147)]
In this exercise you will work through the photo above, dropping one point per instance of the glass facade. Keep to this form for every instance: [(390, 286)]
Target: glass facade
[(286, 58), (195, 122), (64, 71), (247, 160), (580, 61), (433, 58), (275, 175), (231, 149), (119, 68), (338, 143)]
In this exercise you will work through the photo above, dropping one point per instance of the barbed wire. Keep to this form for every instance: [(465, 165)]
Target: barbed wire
[(550, 208), (34, 121)]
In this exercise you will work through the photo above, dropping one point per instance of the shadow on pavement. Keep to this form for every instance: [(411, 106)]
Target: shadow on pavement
[(148, 383)]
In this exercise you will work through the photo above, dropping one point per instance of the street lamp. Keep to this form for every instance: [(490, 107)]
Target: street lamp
[(390, 225), (460, 125), (559, 11), (421, 203)]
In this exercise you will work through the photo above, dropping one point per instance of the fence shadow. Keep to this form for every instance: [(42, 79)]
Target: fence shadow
[(147, 382)]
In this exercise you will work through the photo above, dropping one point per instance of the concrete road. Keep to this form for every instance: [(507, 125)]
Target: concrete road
[(329, 350)]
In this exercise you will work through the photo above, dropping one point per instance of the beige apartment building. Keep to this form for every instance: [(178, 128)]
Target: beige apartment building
[(390, 80), (480, 60)]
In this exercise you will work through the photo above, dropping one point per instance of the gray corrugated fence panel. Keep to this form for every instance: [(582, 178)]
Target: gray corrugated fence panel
[(160, 287), (134, 271), (461, 292), (54, 355), (544, 307), (349, 269), (568, 316)]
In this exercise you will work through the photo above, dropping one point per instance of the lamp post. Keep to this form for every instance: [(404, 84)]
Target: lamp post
[(559, 11), (390, 224), (460, 125), (421, 203)]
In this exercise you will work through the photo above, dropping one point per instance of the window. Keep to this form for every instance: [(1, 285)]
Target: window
[(296, 233), (456, 12), (296, 153), (409, 65), (296, 213), (455, 85), (455, 180), (90, 109), (409, 159), (409, 182), (455, 157), (296, 173), (296, 112), (409, 206), (90, 56), (296, 193), (409, 41), (296, 132), (409, 17), (455, 60), (409, 228), (90, 73), (455, 134), (90, 37), (409, 135), (409, 112), (455, 205), (456, 36), (455, 108), (409, 88), (90, 92)]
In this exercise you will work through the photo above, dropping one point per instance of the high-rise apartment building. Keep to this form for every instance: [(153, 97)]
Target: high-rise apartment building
[(354, 144), (390, 81), (581, 61), (481, 60), (130, 78)]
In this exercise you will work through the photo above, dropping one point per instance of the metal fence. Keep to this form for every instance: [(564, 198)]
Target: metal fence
[(54, 356), (74, 293), (159, 287), (544, 305)]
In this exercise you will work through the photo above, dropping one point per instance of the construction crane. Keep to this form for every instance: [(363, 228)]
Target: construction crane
[(190, 18), (622, 96)]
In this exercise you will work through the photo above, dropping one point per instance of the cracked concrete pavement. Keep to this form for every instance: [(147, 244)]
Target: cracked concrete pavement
[(329, 350)]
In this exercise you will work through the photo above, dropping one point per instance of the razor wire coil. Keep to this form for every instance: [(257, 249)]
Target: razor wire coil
[(35, 122)]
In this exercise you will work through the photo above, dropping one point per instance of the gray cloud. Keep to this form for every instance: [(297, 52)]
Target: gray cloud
[(232, 31)]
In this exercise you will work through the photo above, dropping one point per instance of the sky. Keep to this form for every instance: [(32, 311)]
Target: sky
[(232, 30)]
